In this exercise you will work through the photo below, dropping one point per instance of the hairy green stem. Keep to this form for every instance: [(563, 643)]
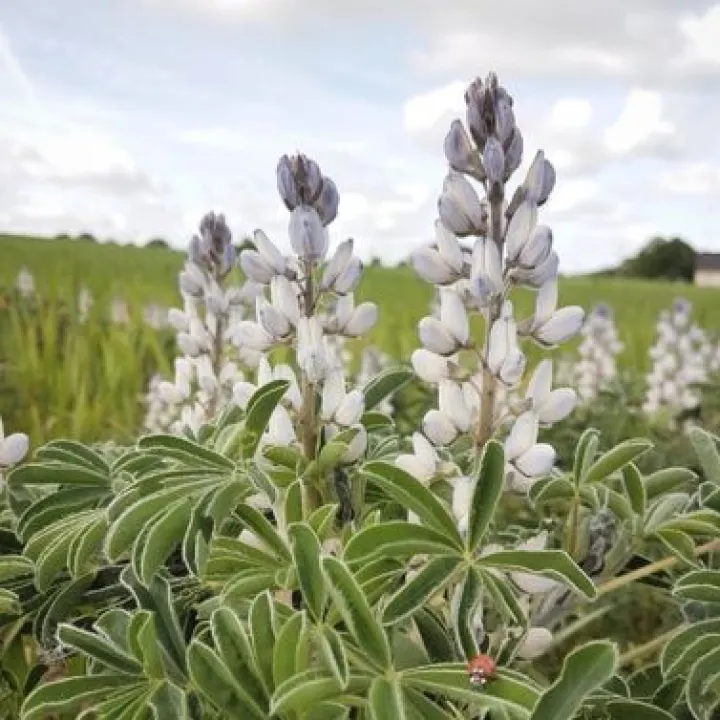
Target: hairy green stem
[(650, 647), (308, 411), (655, 567), (484, 429)]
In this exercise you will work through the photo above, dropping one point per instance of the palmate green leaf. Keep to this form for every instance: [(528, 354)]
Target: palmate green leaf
[(679, 544), (210, 675), (71, 694), (235, 650), (434, 636), (701, 690), (700, 586), (635, 489), (143, 641), (556, 564), (690, 654), (585, 670), (396, 539), (504, 599), (263, 629), (487, 493), (124, 529), (385, 700), (14, 566), (305, 690), (413, 495), (259, 409), (415, 593), (464, 606), (634, 710), (707, 453), (9, 602), (333, 652), (356, 611), (72, 452), (86, 545), (99, 649), (385, 384), (327, 711), (615, 459), (152, 549), (663, 508), (292, 648), (680, 642), (306, 553), (698, 523), (51, 474), (167, 700), (667, 480), (157, 598), (508, 692), (551, 489), (57, 505), (188, 452), (419, 707), (258, 524), (585, 451)]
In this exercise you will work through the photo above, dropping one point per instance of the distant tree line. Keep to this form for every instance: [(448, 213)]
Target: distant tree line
[(660, 259)]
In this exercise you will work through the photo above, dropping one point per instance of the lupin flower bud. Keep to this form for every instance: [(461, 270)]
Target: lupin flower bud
[(540, 179), (299, 181), (460, 208), (551, 326), (328, 202), (13, 448), (514, 154), (460, 153), (521, 224), (308, 237), (312, 354), (338, 263), (494, 160)]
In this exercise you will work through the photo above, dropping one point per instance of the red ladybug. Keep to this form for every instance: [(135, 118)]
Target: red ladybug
[(481, 669)]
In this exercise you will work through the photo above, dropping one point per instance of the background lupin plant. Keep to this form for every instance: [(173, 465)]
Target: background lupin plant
[(146, 581), (208, 370)]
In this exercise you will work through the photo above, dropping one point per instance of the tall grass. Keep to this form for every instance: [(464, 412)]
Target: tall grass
[(59, 376)]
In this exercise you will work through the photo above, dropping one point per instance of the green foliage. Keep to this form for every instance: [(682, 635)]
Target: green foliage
[(661, 258)]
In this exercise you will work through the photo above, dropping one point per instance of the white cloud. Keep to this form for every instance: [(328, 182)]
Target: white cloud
[(702, 36), (218, 138), (641, 123), (571, 113), (697, 178)]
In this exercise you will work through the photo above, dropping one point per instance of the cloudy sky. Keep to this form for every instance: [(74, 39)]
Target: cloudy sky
[(130, 118)]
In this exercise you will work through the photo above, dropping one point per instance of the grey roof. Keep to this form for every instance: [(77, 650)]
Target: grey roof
[(707, 261)]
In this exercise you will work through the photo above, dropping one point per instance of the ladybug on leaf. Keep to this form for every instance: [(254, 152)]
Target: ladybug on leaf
[(481, 669)]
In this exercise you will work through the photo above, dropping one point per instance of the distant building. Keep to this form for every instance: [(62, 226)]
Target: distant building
[(707, 269)]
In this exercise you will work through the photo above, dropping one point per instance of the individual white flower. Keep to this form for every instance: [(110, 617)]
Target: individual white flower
[(527, 459), (486, 279), (505, 359), (312, 353), (551, 326), (531, 583), (536, 643), (439, 428), (463, 488), (308, 236), (519, 229), (460, 208), (252, 335), (338, 262), (13, 447), (338, 405), (423, 462), (550, 405), (256, 267), (429, 366)]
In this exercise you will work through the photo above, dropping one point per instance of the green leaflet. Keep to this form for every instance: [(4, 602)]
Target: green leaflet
[(552, 563), (385, 384), (584, 670), (356, 611)]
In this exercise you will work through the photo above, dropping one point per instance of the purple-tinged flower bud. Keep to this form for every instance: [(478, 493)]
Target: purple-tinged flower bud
[(438, 428), (540, 179), (460, 153), (521, 224), (328, 201), (514, 154), (494, 160), (338, 263), (538, 247), (362, 319), (460, 208), (308, 237), (256, 267), (299, 181), (349, 278)]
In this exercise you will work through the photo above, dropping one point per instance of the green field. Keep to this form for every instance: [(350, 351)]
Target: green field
[(87, 380)]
